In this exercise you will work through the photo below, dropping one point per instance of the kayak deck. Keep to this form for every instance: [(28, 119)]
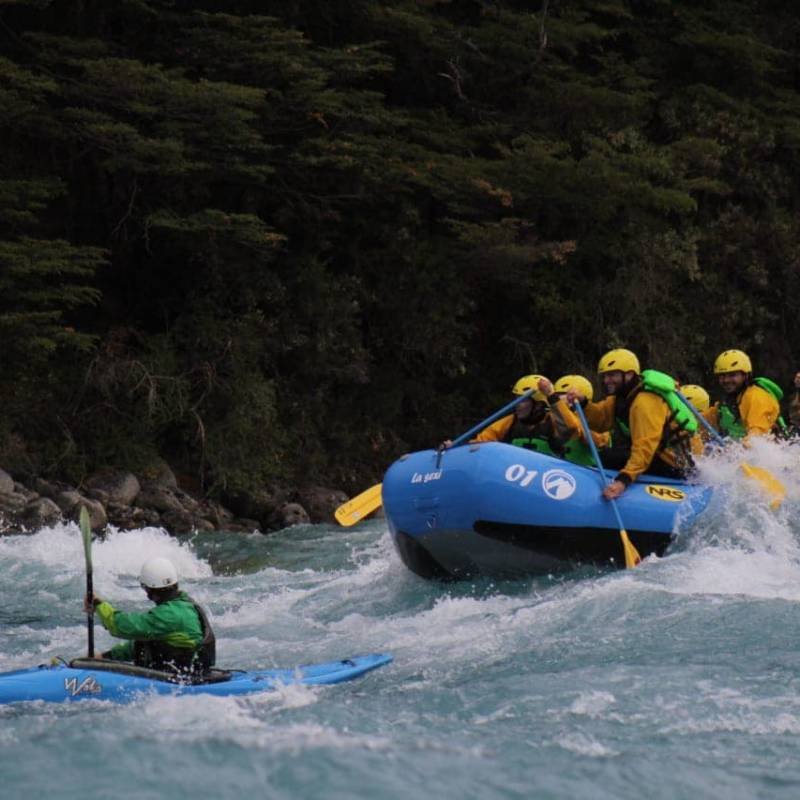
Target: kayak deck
[(85, 679)]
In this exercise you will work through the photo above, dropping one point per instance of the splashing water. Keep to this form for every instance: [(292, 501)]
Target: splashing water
[(677, 679)]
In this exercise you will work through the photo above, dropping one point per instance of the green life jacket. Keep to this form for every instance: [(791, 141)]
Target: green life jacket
[(158, 654), (530, 437), (769, 386), (534, 443), (730, 419), (781, 428), (577, 451), (664, 386), (730, 423), (178, 650)]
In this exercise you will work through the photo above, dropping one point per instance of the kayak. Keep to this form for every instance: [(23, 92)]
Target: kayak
[(503, 511), (119, 682)]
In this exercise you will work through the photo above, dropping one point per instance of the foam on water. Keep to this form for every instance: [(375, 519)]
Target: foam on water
[(592, 685), (119, 555), (742, 546)]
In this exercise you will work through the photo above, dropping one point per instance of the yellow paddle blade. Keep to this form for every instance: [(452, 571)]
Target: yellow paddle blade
[(359, 507), (632, 557), (769, 483)]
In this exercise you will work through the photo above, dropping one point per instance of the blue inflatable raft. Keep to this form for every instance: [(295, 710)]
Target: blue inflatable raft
[(498, 510), (91, 679)]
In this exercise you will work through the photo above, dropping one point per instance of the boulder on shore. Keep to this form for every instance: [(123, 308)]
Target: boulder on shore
[(39, 513), (116, 486), (11, 503), (320, 502), (159, 498), (98, 519), (119, 498), (6, 483), (287, 515)]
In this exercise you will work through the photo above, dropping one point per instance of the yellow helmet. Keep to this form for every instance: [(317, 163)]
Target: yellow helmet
[(697, 396), (577, 382), (618, 359), (529, 382), (732, 361)]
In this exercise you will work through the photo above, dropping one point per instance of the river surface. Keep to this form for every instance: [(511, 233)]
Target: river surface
[(678, 679)]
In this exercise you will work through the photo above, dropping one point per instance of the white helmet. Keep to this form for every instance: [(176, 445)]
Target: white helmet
[(158, 573)]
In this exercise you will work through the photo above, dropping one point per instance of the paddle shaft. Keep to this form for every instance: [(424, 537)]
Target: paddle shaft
[(465, 437), (86, 535), (358, 507), (596, 456), (702, 420), (90, 614)]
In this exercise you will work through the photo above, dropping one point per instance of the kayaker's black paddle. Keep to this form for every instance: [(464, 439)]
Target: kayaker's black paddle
[(86, 532)]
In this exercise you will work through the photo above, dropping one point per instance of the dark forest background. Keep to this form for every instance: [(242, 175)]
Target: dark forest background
[(288, 241)]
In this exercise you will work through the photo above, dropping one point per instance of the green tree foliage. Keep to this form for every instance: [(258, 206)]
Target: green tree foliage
[(41, 278), (288, 240)]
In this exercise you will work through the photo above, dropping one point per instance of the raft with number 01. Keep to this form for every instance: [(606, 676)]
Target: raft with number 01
[(503, 511), (119, 682)]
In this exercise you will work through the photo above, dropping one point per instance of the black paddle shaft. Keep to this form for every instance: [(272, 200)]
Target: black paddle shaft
[(86, 535), (90, 613)]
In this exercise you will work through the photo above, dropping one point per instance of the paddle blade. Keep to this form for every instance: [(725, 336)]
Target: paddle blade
[(768, 482), (86, 533), (359, 507), (632, 557)]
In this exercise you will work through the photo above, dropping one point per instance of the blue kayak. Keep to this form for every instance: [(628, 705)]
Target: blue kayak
[(92, 679), (504, 511)]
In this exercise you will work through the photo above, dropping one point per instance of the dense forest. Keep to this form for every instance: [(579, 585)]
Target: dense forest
[(288, 241)]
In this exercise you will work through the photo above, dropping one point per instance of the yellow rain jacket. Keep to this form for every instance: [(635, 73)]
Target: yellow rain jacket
[(698, 442), (497, 431), (758, 411), (571, 423), (648, 421), (552, 428)]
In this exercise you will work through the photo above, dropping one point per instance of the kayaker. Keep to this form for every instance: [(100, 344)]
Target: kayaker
[(174, 636), (751, 406), (531, 425), (644, 433)]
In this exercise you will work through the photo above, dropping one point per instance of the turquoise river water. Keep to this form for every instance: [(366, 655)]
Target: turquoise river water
[(679, 679)]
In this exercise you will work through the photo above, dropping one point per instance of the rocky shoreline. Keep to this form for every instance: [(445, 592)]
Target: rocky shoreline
[(125, 501)]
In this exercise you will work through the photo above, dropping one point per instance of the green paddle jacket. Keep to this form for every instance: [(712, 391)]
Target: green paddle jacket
[(171, 633)]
